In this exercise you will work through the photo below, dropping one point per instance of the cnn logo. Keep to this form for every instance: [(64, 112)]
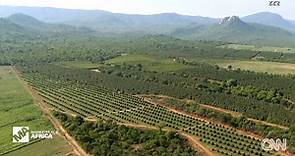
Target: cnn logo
[(271, 144)]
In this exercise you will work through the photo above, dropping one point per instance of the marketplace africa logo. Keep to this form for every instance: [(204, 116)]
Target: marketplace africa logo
[(24, 135)]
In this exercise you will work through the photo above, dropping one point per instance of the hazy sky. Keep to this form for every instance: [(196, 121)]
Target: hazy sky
[(211, 8)]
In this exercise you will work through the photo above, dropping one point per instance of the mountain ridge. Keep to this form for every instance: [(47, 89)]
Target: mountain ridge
[(271, 19), (236, 30), (109, 22), (74, 16), (106, 21), (231, 29)]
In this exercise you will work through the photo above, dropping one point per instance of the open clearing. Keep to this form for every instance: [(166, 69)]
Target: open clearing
[(150, 63), (17, 109), (256, 48)]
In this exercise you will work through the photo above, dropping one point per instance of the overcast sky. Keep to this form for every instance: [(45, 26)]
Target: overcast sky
[(210, 8)]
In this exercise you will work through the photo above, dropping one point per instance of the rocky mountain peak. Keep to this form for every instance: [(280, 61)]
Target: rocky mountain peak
[(230, 19)]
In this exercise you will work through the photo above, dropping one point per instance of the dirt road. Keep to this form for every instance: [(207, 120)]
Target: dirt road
[(198, 146)]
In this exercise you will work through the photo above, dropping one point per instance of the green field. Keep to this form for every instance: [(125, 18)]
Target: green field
[(256, 66), (53, 147), (17, 109), (150, 63), (259, 66), (255, 48)]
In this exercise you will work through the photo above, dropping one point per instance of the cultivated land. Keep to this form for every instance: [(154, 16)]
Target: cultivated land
[(165, 100), (54, 147), (259, 48), (17, 109), (150, 63), (257, 66), (264, 128), (100, 103)]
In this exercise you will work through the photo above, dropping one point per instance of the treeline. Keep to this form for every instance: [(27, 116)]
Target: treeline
[(105, 138), (232, 87)]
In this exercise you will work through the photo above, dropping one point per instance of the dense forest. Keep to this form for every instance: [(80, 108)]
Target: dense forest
[(108, 138)]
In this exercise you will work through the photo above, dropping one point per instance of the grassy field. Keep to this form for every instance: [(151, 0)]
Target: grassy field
[(150, 63), (254, 48), (53, 147), (153, 63), (79, 64), (17, 109), (257, 66)]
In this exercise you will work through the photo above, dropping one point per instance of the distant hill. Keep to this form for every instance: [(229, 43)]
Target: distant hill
[(20, 24), (28, 22), (7, 27), (233, 29), (270, 19), (33, 24)]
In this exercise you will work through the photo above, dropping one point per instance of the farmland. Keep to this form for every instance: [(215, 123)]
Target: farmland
[(150, 63), (95, 102), (55, 147), (108, 95), (18, 109), (145, 85), (259, 48), (156, 63), (257, 66)]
